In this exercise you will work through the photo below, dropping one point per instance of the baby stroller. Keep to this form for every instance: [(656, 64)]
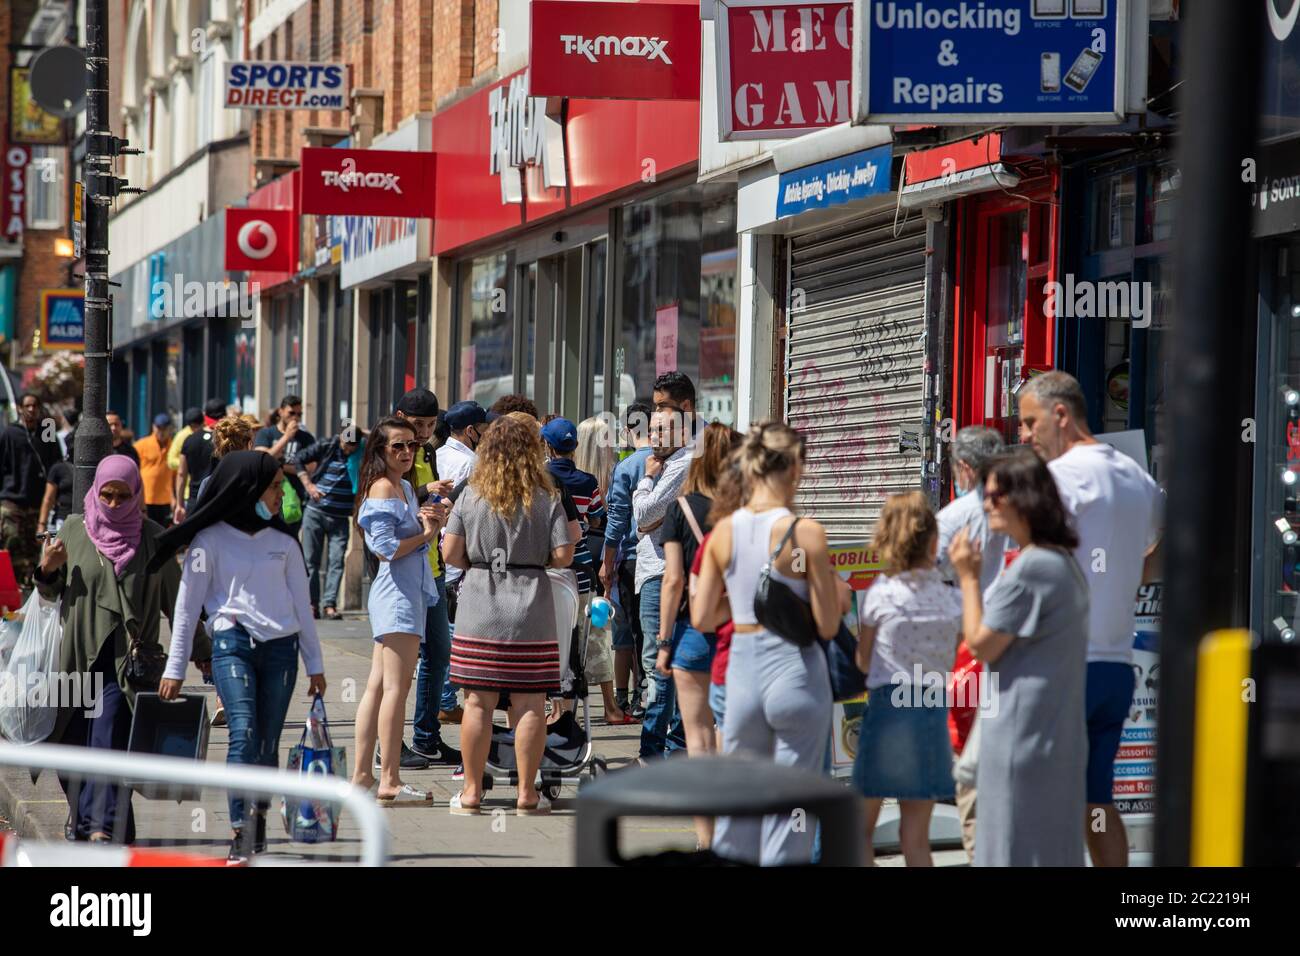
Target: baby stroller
[(569, 749)]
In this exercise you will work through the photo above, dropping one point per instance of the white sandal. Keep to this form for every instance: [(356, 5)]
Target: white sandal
[(408, 796), (541, 809), (460, 810)]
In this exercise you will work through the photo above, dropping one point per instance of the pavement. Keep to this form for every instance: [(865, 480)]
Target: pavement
[(427, 836)]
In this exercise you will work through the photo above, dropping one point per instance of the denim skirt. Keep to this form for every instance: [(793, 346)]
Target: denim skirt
[(904, 751)]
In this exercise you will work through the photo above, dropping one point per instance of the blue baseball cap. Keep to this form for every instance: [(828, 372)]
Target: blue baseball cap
[(561, 434), (162, 420), (463, 414)]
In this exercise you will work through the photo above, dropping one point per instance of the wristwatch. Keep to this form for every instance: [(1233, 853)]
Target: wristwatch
[(661, 642)]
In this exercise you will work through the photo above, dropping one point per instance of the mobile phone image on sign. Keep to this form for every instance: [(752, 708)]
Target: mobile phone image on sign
[(1087, 9), (1081, 72), (1047, 9), (1050, 73)]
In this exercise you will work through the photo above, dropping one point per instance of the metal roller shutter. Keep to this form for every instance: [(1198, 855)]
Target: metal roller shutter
[(855, 363)]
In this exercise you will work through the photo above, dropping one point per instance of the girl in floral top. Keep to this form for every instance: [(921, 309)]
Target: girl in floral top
[(907, 644)]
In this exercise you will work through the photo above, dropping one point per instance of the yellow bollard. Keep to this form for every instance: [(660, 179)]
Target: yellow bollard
[(1219, 774)]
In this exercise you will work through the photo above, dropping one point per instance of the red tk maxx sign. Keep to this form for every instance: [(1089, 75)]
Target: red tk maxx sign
[(260, 240), (367, 182), (783, 68), (611, 50)]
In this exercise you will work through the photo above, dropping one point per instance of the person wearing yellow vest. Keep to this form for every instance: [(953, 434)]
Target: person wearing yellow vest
[(419, 406)]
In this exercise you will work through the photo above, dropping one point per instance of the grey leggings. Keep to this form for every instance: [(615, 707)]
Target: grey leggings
[(778, 707)]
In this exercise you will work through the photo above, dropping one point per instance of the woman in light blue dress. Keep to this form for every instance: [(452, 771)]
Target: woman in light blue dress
[(398, 533)]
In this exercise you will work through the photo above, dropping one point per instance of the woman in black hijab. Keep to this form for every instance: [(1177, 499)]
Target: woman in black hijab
[(247, 572)]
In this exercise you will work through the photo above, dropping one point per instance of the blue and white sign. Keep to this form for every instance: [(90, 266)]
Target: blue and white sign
[(834, 182), (958, 62)]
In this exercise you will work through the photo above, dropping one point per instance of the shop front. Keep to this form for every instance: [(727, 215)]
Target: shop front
[(384, 267), (279, 358), (581, 257), (850, 350), (182, 330)]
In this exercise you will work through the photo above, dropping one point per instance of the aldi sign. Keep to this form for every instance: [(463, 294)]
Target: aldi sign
[(63, 319), (784, 69), (959, 62), (286, 86)]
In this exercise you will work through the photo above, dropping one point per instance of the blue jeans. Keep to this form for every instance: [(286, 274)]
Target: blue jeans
[(317, 527), (431, 674), (255, 680), (661, 728)]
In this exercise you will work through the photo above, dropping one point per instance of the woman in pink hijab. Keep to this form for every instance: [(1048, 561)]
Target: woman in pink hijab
[(98, 568)]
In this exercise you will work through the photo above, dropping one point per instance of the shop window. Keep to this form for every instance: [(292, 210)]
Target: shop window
[(1113, 212), (596, 256), (1277, 598), (485, 335), (341, 403), (45, 185), (678, 308)]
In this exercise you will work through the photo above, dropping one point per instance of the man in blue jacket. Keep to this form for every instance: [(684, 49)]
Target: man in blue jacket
[(618, 570)]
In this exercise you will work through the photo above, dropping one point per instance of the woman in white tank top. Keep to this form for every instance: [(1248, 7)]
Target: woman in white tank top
[(778, 694)]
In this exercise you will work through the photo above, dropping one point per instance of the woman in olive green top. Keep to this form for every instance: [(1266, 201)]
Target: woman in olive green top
[(97, 568)]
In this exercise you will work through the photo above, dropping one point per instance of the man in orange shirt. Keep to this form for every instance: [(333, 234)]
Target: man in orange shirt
[(154, 470)]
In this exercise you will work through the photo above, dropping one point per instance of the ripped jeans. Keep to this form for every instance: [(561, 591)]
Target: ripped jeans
[(255, 680)]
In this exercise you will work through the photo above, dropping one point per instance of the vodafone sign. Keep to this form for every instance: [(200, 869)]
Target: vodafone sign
[(259, 240), (783, 68), (612, 50), (367, 182)]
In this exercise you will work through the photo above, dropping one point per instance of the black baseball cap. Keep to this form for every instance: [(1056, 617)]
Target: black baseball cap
[(214, 408), (419, 402), (194, 415)]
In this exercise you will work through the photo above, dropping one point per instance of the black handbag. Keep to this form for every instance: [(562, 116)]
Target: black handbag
[(145, 664), (784, 613), (847, 682), (778, 608)]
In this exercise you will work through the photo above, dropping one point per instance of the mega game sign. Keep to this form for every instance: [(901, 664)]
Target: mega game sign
[(286, 86), (783, 68)]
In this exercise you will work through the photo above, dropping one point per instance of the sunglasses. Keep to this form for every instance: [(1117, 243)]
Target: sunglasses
[(995, 497), (401, 446)]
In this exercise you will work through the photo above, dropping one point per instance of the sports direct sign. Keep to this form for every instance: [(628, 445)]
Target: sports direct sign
[(783, 68), (286, 86), (628, 51), (367, 182)]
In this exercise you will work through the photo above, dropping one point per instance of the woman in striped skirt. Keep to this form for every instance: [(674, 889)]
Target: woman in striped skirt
[(507, 527)]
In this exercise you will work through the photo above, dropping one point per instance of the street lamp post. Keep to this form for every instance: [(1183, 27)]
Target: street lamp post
[(93, 438)]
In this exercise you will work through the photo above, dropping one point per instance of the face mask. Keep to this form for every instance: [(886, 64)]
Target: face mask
[(263, 511), (964, 491)]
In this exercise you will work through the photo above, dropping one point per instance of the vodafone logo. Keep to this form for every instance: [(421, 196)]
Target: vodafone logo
[(651, 48), (256, 239), (1282, 23)]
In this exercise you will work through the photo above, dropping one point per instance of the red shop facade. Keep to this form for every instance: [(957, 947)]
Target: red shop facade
[(1003, 226), (577, 256)]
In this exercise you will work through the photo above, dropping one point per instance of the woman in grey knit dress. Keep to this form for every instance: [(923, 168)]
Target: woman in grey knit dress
[(507, 527), (1031, 632)]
